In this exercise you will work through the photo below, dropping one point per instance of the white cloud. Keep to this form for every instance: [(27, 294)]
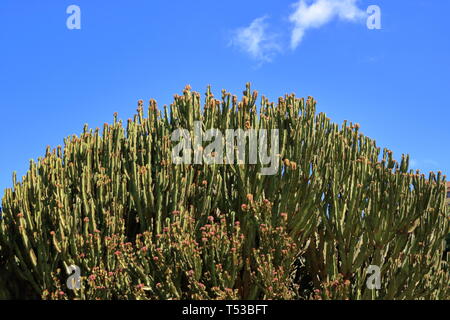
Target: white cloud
[(256, 41), (316, 13)]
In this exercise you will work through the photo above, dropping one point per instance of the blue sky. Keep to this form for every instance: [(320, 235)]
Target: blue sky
[(395, 81)]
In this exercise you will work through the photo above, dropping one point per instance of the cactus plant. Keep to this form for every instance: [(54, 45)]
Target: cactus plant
[(113, 202)]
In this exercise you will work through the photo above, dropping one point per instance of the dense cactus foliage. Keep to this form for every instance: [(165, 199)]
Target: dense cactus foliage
[(139, 226)]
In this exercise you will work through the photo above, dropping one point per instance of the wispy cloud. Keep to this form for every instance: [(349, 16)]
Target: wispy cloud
[(316, 13), (256, 41), (262, 45)]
